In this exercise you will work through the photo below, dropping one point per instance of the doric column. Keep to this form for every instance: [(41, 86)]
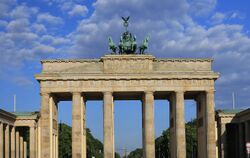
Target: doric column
[(177, 124), (210, 124), (25, 149), (32, 142), (223, 140), (7, 140), (39, 139), (241, 140), (21, 147), (148, 127), (17, 144), (1, 140), (108, 114), (78, 126), (201, 128), (13, 141), (247, 135), (46, 125)]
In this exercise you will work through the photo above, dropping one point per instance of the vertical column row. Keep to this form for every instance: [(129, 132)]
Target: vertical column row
[(1, 140), (177, 124), (78, 126), (108, 118), (148, 125)]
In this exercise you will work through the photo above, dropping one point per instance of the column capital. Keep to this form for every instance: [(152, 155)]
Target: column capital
[(179, 91), (76, 93), (148, 92), (45, 94), (107, 93), (210, 91)]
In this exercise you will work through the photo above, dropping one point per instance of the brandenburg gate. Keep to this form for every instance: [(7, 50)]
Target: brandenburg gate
[(139, 76), (126, 76)]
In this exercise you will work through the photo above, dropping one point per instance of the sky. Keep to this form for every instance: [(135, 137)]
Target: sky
[(31, 30)]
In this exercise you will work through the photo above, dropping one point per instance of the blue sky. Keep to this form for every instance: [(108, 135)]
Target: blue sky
[(32, 30)]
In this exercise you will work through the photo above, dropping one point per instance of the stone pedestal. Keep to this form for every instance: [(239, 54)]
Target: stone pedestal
[(108, 114), (78, 131), (148, 125)]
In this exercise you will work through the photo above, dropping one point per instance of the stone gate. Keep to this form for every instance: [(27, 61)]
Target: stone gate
[(141, 77)]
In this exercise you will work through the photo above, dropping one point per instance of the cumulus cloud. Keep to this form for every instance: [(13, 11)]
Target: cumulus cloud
[(218, 18), (5, 6), (23, 11), (50, 19), (78, 10)]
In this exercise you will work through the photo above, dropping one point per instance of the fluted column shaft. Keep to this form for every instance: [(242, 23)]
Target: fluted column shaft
[(210, 124), (148, 127), (177, 122), (1, 140), (201, 127), (25, 149), (78, 127), (108, 110), (7, 141), (46, 125), (13, 140), (21, 147), (17, 144), (32, 142)]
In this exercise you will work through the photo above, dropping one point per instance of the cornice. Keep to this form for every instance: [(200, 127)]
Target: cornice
[(69, 60), (128, 57), (184, 60), (150, 76)]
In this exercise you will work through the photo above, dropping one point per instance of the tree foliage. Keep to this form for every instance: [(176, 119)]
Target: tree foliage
[(162, 143), (94, 146), (137, 153)]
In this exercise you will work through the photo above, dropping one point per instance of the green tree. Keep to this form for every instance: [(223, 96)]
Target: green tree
[(65, 146), (137, 153), (94, 146), (162, 143)]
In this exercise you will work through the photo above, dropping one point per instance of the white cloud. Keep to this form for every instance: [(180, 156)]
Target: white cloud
[(5, 6), (18, 25), (78, 10), (202, 7), (50, 19), (3, 23), (39, 28), (42, 49), (218, 18), (23, 11)]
